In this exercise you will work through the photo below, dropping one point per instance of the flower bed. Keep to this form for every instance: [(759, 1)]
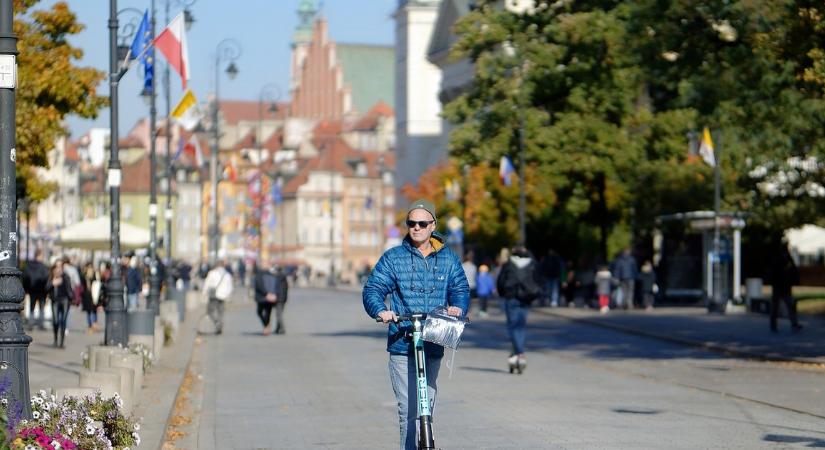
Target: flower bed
[(91, 422)]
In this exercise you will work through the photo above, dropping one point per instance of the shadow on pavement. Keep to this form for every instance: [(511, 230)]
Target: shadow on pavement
[(380, 333), (485, 369), (810, 442), (595, 342)]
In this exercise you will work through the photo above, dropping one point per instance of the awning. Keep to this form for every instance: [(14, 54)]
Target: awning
[(94, 234)]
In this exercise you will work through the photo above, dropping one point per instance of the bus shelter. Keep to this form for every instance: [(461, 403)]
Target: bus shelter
[(684, 255)]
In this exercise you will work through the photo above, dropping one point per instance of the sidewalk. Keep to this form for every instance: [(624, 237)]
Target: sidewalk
[(741, 335), (51, 367)]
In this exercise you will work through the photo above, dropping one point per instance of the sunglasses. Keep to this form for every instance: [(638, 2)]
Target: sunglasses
[(420, 223)]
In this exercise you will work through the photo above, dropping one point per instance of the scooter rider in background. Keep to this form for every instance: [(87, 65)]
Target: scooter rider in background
[(419, 275)]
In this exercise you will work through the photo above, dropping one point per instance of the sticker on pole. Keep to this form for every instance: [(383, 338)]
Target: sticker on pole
[(13, 155), (8, 72), (114, 177), (153, 210)]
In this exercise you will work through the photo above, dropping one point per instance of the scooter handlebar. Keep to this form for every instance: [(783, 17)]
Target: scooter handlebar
[(411, 317)]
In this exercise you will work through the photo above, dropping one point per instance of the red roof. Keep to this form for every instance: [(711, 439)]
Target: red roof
[(71, 153), (234, 111), (370, 120), (248, 141), (335, 155)]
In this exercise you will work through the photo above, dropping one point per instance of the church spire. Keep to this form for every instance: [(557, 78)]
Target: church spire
[(307, 11)]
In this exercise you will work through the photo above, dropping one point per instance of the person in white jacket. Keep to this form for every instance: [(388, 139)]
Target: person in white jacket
[(217, 288)]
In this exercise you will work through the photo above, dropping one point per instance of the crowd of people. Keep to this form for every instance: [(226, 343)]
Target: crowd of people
[(621, 284), (53, 287)]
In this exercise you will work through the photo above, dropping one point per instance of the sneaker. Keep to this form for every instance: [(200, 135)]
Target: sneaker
[(513, 360), (267, 331), (483, 314), (604, 309)]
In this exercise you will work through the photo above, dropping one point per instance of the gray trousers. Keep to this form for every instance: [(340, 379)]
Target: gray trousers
[(628, 289), (279, 317), (215, 311)]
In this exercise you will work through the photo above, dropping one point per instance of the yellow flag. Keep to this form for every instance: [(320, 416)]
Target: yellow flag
[(706, 148), (187, 113)]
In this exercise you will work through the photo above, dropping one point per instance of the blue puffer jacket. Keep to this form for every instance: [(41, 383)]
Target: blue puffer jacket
[(415, 284)]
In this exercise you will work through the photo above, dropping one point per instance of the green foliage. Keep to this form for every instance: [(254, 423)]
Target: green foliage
[(51, 86), (606, 93)]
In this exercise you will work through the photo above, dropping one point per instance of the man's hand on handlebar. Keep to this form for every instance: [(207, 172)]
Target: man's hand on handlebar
[(387, 316)]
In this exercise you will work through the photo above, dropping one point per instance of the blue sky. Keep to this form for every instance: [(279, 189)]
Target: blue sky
[(263, 27)]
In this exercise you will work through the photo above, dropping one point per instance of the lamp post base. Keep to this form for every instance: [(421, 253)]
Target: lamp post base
[(14, 343), (117, 331)]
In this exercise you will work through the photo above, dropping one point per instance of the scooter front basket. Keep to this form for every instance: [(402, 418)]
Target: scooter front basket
[(443, 329)]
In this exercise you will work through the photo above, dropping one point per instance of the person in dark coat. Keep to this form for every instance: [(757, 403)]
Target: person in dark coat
[(35, 278), (647, 279), (551, 269), (626, 271), (283, 293), (518, 284), (89, 279), (59, 290), (784, 275), (266, 295)]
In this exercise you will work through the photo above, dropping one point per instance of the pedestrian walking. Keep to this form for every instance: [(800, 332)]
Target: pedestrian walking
[(518, 284), (104, 273), (266, 295), (59, 290), (471, 272), (647, 279), (625, 270), (604, 281), (217, 288), (551, 269), (283, 296), (134, 283), (35, 277), (185, 273), (89, 279), (485, 286), (784, 275), (420, 274)]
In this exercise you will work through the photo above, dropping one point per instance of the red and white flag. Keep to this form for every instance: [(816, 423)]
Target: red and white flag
[(193, 149), (172, 43)]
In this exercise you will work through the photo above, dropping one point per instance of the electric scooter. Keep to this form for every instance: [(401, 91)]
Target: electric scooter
[(425, 425)]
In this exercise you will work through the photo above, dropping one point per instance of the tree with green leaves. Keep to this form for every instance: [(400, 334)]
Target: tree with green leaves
[(607, 92), (50, 87)]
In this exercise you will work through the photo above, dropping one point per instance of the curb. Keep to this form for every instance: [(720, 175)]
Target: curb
[(716, 348)]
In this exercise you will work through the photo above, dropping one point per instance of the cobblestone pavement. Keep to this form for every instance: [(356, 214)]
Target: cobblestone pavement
[(324, 385)]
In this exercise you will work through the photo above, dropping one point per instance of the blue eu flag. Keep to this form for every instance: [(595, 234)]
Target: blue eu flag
[(143, 39)]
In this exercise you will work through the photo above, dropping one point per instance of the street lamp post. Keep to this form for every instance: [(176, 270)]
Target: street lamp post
[(167, 239), (14, 343), (116, 332), (228, 50), (269, 93), (331, 281), (153, 300)]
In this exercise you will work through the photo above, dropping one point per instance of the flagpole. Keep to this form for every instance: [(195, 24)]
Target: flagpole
[(522, 198), (716, 305), (153, 300), (167, 214)]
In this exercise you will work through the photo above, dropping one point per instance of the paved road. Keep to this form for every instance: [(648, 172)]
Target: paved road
[(324, 385)]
